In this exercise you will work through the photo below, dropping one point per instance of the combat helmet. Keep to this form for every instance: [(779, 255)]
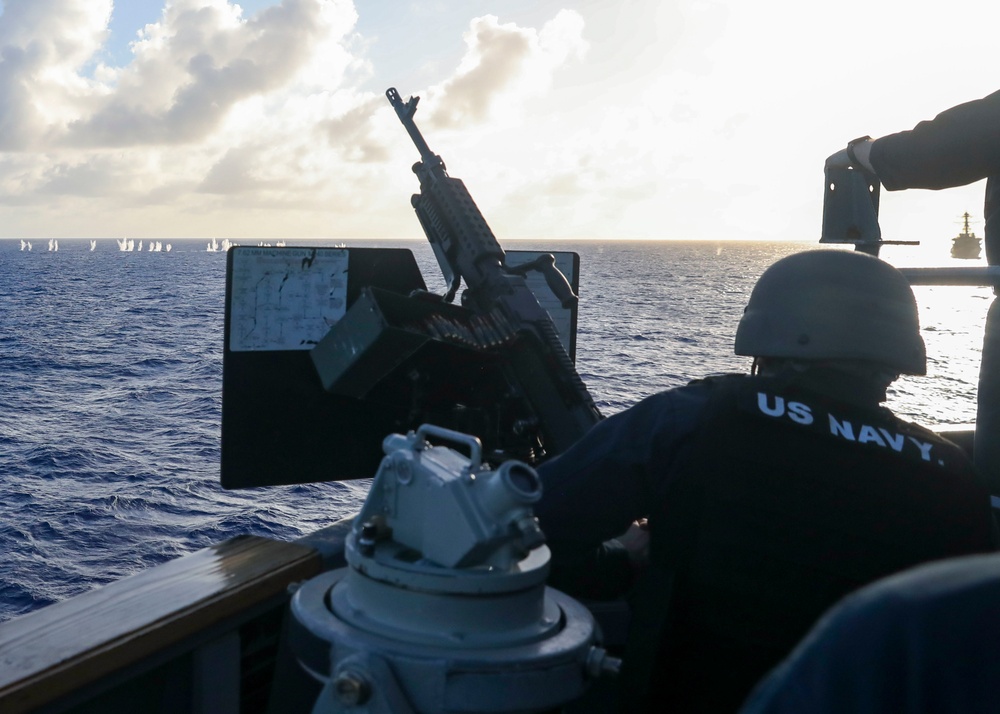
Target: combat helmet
[(833, 304)]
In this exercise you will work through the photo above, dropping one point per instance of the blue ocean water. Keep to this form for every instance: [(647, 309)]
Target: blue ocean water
[(111, 366)]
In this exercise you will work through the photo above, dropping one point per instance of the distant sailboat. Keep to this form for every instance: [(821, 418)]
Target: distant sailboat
[(966, 244), (215, 246)]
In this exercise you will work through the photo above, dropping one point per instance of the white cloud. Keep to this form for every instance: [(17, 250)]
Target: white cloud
[(43, 46), (198, 62), (212, 103), (640, 118), (257, 124), (504, 62)]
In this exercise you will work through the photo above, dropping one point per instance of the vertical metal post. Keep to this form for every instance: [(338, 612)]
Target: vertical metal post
[(216, 676), (987, 443), (850, 209)]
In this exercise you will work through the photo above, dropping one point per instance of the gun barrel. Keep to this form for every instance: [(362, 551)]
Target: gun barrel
[(405, 112)]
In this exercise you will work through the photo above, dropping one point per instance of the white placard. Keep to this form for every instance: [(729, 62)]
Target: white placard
[(285, 298)]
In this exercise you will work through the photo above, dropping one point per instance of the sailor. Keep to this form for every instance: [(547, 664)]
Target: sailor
[(957, 147), (768, 496)]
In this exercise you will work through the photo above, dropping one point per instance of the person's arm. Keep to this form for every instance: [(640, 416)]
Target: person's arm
[(612, 476), (959, 146), (610, 479)]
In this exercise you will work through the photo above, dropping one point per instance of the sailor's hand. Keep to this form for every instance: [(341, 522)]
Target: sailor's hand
[(636, 542)]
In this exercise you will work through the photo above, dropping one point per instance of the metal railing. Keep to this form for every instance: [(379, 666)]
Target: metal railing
[(985, 276)]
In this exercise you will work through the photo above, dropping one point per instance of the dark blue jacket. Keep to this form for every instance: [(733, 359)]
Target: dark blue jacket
[(959, 146), (769, 499)]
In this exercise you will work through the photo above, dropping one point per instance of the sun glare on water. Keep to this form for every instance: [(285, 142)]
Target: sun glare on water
[(952, 321)]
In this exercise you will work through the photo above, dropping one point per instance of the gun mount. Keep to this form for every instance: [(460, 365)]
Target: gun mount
[(510, 379), (444, 606), (389, 354)]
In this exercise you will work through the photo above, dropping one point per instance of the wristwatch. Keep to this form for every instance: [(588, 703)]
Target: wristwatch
[(855, 162)]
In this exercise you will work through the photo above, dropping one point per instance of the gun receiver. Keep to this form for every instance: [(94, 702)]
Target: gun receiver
[(466, 249)]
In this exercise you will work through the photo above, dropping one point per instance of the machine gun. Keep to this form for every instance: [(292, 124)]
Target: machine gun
[(539, 369)]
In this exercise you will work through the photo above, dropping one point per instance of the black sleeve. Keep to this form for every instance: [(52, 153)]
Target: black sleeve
[(602, 573), (959, 146)]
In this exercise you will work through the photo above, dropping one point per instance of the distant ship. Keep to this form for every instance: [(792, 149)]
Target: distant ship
[(966, 244)]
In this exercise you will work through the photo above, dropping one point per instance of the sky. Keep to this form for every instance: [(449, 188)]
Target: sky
[(587, 119)]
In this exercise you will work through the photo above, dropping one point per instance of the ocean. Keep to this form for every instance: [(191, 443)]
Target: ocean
[(111, 366)]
